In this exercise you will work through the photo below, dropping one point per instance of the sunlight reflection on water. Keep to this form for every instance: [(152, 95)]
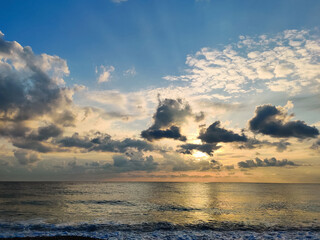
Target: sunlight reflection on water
[(179, 203)]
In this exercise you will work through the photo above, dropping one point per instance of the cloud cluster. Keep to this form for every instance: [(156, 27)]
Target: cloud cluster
[(30, 84), (271, 162), (177, 164), (102, 142), (32, 93), (274, 121), (26, 157), (253, 143), (286, 62), (169, 115), (133, 161)]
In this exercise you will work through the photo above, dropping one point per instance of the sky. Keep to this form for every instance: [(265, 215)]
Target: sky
[(130, 90)]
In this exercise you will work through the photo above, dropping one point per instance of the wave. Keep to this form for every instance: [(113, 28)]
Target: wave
[(143, 227), (53, 203), (177, 208), (109, 202)]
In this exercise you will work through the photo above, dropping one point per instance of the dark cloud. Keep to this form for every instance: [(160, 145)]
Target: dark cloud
[(103, 142), (215, 134), (26, 157), (170, 111), (169, 115), (273, 121), (25, 138), (155, 134), (66, 118), (207, 148), (46, 132), (253, 143), (133, 161), (33, 145), (272, 162), (13, 130)]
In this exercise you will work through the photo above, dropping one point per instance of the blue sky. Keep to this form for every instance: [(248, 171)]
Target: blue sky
[(137, 89), (152, 36)]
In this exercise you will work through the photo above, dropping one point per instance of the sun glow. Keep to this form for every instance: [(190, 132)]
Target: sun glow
[(198, 154)]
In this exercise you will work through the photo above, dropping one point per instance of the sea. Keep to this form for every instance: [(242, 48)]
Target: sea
[(158, 210)]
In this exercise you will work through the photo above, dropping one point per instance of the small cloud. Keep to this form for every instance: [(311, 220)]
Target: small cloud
[(105, 73), (199, 117), (79, 88), (130, 72)]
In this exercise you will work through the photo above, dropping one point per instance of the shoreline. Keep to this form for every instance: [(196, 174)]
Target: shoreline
[(173, 235)]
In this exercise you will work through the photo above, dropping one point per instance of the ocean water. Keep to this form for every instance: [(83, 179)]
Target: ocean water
[(100, 208)]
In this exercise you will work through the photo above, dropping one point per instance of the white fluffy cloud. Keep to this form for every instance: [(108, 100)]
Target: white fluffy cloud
[(104, 73), (287, 62)]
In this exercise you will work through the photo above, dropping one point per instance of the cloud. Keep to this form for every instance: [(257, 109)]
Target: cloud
[(169, 114), (286, 62), (207, 148), (32, 93), (272, 162), (316, 145), (155, 134), (45, 133), (199, 117), (253, 143), (275, 121), (26, 138), (177, 164), (103, 143), (208, 104), (104, 73), (133, 161), (171, 111), (34, 145), (130, 72), (131, 105), (28, 86), (215, 134), (26, 157)]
